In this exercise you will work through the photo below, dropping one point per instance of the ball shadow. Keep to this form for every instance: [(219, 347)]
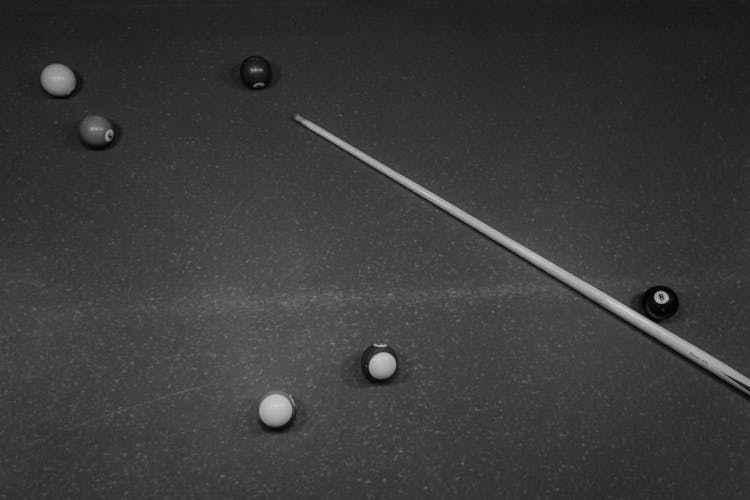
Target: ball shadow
[(31, 86), (230, 75), (118, 136), (70, 129), (276, 74), (636, 302), (350, 372), (80, 84)]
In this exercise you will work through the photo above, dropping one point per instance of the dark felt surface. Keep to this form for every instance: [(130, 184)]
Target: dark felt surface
[(149, 293)]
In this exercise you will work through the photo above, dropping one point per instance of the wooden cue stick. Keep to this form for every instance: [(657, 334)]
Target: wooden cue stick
[(681, 346)]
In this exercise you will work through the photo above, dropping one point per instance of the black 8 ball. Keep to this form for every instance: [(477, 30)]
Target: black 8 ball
[(660, 303), (255, 72)]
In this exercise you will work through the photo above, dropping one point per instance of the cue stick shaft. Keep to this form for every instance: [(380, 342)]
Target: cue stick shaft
[(679, 345)]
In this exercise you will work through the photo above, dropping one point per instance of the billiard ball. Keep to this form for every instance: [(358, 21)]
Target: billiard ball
[(255, 72), (96, 131), (276, 409), (58, 80), (660, 303), (379, 362)]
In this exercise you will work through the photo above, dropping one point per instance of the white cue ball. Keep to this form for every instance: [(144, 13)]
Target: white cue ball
[(379, 362), (277, 409), (58, 80)]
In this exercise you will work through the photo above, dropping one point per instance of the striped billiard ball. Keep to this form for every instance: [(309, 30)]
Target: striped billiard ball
[(379, 362), (255, 73), (96, 131)]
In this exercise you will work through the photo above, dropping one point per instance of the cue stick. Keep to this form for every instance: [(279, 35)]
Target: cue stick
[(679, 345)]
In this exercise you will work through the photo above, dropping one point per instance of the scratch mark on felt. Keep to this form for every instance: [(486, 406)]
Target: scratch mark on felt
[(223, 223), (76, 426)]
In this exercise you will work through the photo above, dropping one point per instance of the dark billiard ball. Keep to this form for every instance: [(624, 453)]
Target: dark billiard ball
[(276, 409), (255, 72), (379, 362), (96, 131), (660, 303)]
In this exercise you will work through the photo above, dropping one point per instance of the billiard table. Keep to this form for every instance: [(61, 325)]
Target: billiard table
[(152, 291)]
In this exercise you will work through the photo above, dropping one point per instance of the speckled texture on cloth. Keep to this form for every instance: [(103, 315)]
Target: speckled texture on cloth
[(151, 292)]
